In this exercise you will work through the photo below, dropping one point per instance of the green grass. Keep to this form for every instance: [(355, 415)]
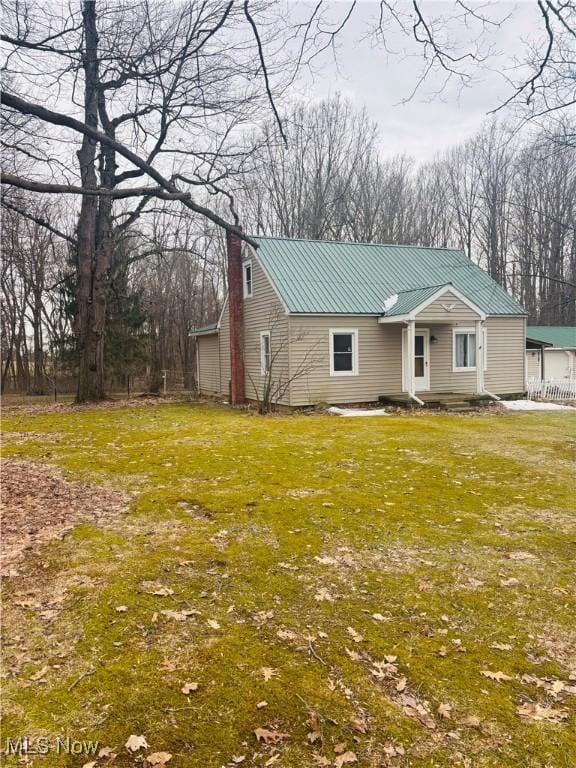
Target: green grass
[(417, 518)]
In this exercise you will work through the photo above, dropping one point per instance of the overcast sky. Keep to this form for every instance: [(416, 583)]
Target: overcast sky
[(379, 81)]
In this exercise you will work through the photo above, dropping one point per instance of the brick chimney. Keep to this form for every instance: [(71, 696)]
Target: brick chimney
[(236, 315)]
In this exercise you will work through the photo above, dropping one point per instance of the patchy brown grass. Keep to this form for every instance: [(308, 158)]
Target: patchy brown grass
[(398, 591), (40, 505)]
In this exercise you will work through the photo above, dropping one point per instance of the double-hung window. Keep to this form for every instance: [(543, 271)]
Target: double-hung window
[(343, 352), (464, 349), (247, 280), (265, 353)]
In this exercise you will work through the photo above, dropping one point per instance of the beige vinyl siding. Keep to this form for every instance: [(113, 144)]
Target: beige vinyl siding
[(263, 311), (442, 376), (533, 364), (379, 360), (506, 355), (504, 372), (224, 341), (448, 308), (208, 363), (441, 317)]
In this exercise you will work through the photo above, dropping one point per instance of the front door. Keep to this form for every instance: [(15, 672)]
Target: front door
[(421, 359)]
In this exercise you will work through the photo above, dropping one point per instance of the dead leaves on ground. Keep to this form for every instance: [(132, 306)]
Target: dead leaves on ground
[(315, 730), (554, 687), (268, 673), (135, 743), (444, 710), (324, 594), (39, 505), (270, 737), (356, 636), (179, 615), (538, 713), (346, 758), (498, 677), (158, 759), (153, 588)]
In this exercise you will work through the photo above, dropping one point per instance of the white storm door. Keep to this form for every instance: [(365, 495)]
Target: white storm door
[(421, 363)]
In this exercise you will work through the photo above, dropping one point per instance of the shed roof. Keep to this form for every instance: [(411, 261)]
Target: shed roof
[(558, 336), (205, 329), (329, 277)]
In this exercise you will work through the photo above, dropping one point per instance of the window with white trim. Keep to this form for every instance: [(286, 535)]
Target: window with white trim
[(343, 352), (464, 349), (247, 280), (265, 353)]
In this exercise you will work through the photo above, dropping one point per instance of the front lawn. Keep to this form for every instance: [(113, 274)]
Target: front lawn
[(297, 591)]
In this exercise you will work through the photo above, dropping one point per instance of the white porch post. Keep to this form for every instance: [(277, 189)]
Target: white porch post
[(479, 357), (411, 352)]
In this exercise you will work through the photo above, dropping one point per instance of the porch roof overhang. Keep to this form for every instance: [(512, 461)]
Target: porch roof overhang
[(537, 343), (405, 306), (205, 330)]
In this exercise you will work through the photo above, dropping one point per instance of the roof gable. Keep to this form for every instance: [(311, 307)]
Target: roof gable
[(408, 304), (325, 277)]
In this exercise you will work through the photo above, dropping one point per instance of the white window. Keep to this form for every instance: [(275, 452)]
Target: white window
[(247, 279), (265, 353), (464, 349), (343, 352)]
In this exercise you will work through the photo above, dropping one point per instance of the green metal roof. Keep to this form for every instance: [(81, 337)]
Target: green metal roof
[(558, 336), (406, 301), (210, 328), (325, 277)]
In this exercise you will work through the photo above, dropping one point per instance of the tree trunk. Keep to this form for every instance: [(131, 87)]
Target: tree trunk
[(22, 371), (90, 325), (156, 360), (38, 381), (188, 358)]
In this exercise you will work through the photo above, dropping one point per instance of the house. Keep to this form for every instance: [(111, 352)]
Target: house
[(337, 322), (551, 352)]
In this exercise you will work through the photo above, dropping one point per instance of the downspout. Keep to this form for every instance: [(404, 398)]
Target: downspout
[(481, 334)]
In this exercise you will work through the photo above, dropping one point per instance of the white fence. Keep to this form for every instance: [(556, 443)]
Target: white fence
[(552, 389)]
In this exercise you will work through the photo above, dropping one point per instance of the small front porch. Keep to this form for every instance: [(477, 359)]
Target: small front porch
[(448, 401), (443, 349)]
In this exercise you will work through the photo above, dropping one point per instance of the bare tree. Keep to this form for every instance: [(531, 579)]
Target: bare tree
[(276, 377), (159, 86)]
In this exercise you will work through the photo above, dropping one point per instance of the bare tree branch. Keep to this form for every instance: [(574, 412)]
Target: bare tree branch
[(38, 220), (47, 115)]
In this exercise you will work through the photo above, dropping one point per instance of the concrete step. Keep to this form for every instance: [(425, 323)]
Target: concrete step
[(461, 408), (457, 406)]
